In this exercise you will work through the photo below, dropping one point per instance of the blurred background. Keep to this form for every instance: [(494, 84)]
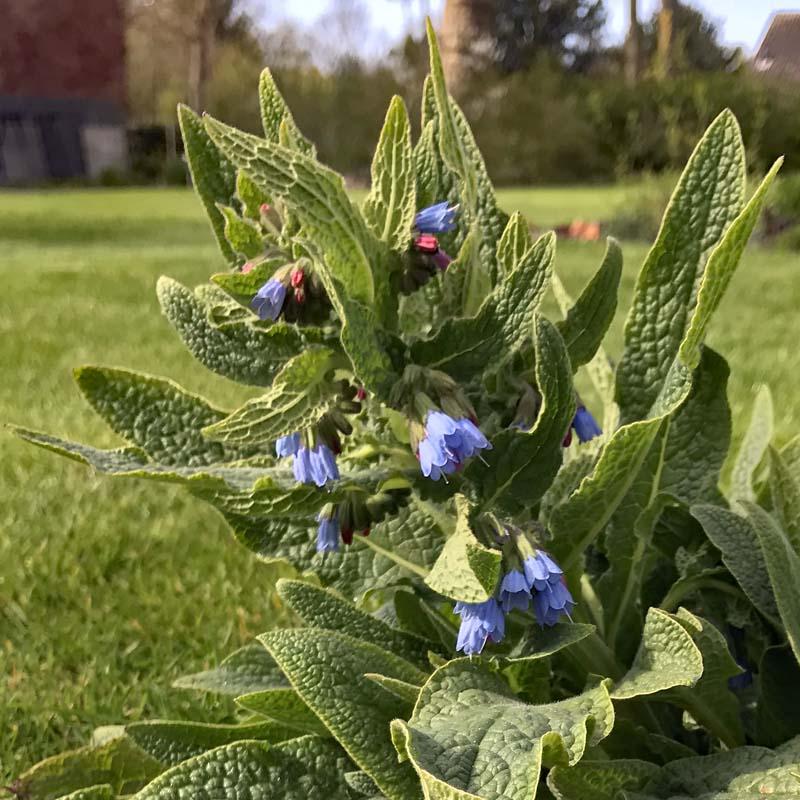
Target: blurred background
[(585, 111)]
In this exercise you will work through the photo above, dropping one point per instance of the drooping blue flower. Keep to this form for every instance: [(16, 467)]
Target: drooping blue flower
[(553, 602), (515, 591), (479, 622), (301, 466), (268, 301), (585, 425), (438, 218), (315, 465), (467, 440), (287, 445), (327, 533), (541, 571), (447, 444)]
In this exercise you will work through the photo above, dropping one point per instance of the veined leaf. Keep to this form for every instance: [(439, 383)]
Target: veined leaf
[(753, 448), (588, 320), (157, 415), (514, 244), (522, 465), (242, 235), (785, 491), (284, 707), (467, 722), (300, 395), (327, 670), (600, 780), (275, 112), (213, 176), (251, 198), (778, 709), (465, 347), (390, 207)]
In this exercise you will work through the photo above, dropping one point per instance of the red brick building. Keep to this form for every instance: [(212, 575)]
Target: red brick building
[(62, 89)]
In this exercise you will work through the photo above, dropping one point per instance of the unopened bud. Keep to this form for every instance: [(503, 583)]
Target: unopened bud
[(297, 277), (248, 267), (299, 295)]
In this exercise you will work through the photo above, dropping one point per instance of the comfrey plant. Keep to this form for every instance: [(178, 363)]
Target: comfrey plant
[(491, 608)]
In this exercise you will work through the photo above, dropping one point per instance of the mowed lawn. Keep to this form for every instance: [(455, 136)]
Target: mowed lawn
[(110, 589)]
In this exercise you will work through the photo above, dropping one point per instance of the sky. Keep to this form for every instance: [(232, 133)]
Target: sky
[(741, 22)]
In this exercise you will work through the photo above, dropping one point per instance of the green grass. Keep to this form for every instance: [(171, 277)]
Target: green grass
[(111, 589)]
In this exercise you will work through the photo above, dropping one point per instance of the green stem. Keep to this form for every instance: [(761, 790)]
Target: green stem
[(685, 588)]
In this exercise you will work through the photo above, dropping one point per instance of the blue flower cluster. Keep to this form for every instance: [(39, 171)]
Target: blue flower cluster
[(327, 533), (448, 443), (269, 299), (585, 425), (541, 581), (315, 464), (438, 218)]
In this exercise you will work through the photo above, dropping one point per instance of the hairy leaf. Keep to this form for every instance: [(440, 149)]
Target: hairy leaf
[(785, 490), (275, 113), (284, 707), (600, 780), (753, 448)]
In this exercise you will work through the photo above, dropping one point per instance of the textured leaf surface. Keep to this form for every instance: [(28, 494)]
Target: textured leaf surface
[(471, 737), (118, 763), (709, 196), (213, 176), (783, 567), (240, 351), (283, 706), (390, 207), (275, 113), (465, 347), (173, 742), (242, 235), (588, 320), (327, 670), (321, 608), (667, 657), (299, 397), (466, 570), (294, 770), (100, 792), (778, 709), (785, 490), (514, 243), (600, 780), (736, 539), (156, 415), (249, 669), (522, 465), (753, 448)]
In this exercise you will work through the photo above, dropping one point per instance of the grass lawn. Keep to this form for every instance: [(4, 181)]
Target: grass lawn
[(111, 589)]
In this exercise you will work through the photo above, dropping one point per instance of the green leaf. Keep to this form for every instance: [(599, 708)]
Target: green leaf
[(589, 319), (295, 770), (542, 643), (316, 195), (118, 763), (251, 198), (249, 669), (783, 567), (390, 207), (327, 670), (408, 692), (300, 396), (362, 785), (100, 792), (242, 235), (471, 737), (600, 780), (700, 435), (753, 448), (522, 465), (667, 657), (709, 196), (466, 570), (778, 708), (736, 539), (241, 351), (243, 285), (321, 608), (283, 706), (710, 701), (785, 490), (465, 347), (213, 176), (173, 742), (157, 415), (275, 112), (514, 244)]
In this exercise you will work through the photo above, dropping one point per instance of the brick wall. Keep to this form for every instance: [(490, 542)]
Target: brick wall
[(63, 49)]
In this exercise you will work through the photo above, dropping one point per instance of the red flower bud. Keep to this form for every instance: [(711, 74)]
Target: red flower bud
[(426, 243), (361, 394), (297, 277), (347, 535), (365, 532), (299, 295), (265, 208), (248, 267), (567, 439)]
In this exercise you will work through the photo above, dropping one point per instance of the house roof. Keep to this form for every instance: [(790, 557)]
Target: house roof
[(779, 53)]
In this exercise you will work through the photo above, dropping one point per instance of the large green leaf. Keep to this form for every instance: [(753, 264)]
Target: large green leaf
[(284, 707), (465, 347), (390, 207), (327, 669), (753, 448), (119, 763), (316, 195), (600, 780), (248, 669), (295, 770), (242, 235), (242, 351), (778, 709), (466, 570), (171, 742), (213, 176), (275, 113), (300, 396), (157, 415), (785, 490), (667, 657), (471, 737), (321, 608), (783, 567), (736, 539), (588, 320), (522, 465), (709, 196)]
